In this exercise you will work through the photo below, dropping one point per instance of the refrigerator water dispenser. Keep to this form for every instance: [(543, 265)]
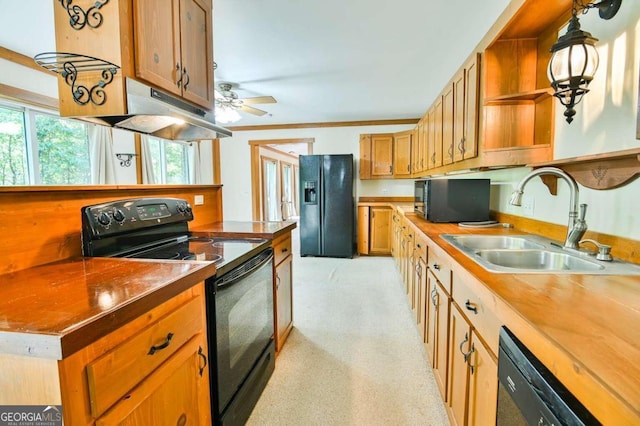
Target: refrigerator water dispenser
[(310, 195)]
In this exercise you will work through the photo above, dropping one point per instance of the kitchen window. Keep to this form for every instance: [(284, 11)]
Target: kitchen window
[(40, 148), (171, 161)]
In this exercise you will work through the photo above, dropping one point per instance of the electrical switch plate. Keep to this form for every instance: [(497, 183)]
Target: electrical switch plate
[(198, 200), (528, 205)]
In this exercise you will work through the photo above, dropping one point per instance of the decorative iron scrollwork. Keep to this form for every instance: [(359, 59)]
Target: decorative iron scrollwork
[(78, 17), (69, 65), (125, 159)]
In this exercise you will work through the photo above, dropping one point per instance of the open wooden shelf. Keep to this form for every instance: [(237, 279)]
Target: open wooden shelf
[(600, 171), (532, 96)]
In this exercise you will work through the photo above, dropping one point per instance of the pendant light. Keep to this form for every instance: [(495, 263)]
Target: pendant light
[(574, 58)]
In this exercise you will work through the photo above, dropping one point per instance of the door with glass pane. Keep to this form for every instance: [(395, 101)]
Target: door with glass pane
[(270, 192), (288, 191)]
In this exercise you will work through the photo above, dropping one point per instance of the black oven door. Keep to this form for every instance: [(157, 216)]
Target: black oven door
[(243, 317)]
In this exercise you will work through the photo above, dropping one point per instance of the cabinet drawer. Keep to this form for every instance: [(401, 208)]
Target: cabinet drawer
[(281, 248), (112, 375), (421, 246), (478, 312), (438, 263)]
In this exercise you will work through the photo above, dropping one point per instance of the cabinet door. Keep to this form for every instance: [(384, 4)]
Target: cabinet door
[(421, 298), (381, 155), (284, 301), (458, 116), (155, 400), (447, 125), (431, 317), (380, 230), (197, 52), (402, 154), (157, 43), (365, 157), (471, 108), (483, 385), (363, 229), (441, 340), (460, 335), (435, 135), (424, 144), (416, 144)]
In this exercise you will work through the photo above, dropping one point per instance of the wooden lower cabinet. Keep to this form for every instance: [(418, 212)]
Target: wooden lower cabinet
[(441, 338), (283, 289), (375, 230), (483, 384), (156, 401), (473, 375), (465, 368), (118, 379)]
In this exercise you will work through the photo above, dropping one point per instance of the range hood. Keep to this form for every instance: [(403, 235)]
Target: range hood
[(155, 113)]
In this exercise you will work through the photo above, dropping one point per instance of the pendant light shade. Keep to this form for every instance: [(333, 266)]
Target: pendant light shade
[(574, 59)]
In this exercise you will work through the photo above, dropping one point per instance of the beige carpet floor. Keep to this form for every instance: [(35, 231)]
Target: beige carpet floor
[(354, 356)]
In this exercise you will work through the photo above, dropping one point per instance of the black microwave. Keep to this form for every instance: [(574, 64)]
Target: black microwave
[(452, 200)]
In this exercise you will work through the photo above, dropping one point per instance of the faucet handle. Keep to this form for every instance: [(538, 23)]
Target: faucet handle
[(583, 212), (604, 251)]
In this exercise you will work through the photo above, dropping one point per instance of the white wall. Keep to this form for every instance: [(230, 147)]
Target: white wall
[(236, 165)]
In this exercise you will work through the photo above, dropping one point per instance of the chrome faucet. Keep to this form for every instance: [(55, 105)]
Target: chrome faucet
[(577, 225)]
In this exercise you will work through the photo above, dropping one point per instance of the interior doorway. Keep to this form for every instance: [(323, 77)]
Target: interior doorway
[(274, 177)]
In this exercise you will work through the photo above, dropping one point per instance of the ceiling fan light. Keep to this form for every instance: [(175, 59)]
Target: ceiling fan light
[(225, 114)]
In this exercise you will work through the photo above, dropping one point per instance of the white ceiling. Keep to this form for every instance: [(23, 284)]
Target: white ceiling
[(324, 61)]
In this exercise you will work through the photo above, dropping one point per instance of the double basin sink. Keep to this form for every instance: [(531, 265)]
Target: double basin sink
[(533, 254)]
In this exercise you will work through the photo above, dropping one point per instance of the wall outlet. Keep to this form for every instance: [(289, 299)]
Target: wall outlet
[(528, 205), (198, 200)]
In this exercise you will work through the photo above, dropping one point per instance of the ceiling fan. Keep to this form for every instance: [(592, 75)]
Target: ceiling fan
[(228, 104)]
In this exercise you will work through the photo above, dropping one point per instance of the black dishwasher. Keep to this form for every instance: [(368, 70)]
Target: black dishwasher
[(528, 394)]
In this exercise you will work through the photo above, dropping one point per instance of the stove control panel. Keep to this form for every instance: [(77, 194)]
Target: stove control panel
[(115, 217)]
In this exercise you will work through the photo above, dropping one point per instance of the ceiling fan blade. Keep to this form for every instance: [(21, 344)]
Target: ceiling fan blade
[(252, 110), (260, 100)]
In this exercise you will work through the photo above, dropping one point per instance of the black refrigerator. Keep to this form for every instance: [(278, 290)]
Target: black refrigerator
[(326, 205)]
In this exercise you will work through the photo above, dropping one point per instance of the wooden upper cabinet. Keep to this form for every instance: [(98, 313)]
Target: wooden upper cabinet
[(435, 134), (365, 157), (402, 143), (157, 45), (447, 125), (173, 47), (465, 129), (197, 51), (382, 155)]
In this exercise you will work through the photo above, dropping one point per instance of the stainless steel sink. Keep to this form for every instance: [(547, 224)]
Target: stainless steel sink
[(483, 242), (533, 254), (539, 260)]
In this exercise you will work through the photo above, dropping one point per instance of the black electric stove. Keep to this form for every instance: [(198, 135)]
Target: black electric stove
[(239, 298), (157, 228)]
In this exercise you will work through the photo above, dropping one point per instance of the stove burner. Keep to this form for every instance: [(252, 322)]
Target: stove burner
[(209, 257), (200, 239), (166, 255)]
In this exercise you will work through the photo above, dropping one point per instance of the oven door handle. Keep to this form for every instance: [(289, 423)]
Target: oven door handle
[(242, 271)]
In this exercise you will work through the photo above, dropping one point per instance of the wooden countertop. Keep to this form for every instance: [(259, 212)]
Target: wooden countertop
[(236, 229), (51, 311), (584, 328)]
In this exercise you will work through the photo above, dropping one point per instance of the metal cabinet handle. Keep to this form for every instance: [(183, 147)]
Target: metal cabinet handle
[(162, 346), (179, 82), (436, 266), (186, 83), (471, 366), (465, 340), (278, 281), (204, 358), (434, 295), (419, 270), (471, 307)]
